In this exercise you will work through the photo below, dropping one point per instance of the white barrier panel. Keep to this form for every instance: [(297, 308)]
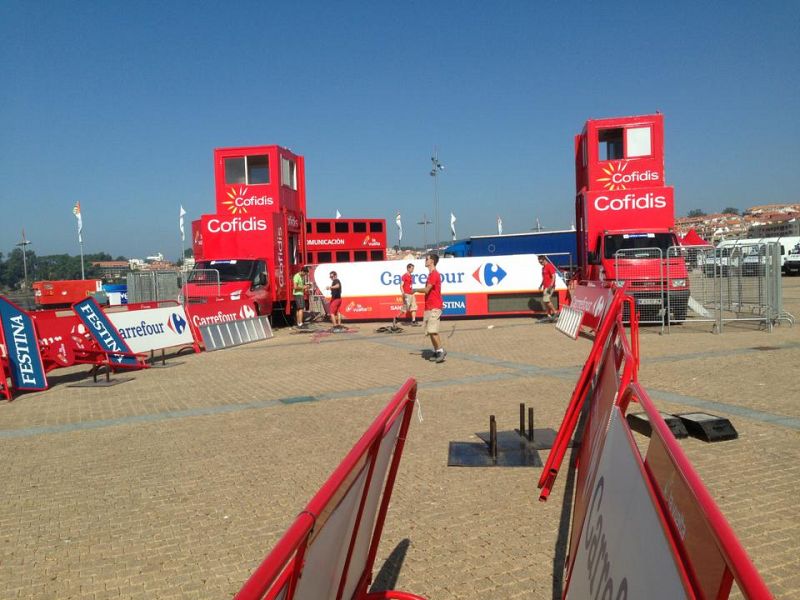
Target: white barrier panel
[(153, 328), (624, 551), (217, 336), (569, 321)]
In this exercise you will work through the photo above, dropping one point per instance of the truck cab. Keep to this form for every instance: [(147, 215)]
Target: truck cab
[(625, 212), (236, 279)]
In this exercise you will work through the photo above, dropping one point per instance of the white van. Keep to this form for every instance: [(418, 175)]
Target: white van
[(730, 252)]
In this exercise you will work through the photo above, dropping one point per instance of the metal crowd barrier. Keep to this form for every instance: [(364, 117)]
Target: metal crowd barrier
[(643, 523), (722, 285), (329, 550), (152, 286)]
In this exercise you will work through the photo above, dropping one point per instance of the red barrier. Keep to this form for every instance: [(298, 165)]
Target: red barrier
[(640, 528), (5, 370), (329, 550), (586, 382)]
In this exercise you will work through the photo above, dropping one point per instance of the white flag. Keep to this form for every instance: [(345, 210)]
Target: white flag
[(399, 228), (180, 223), (453, 225), (338, 214), (499, 226), (76, 210)]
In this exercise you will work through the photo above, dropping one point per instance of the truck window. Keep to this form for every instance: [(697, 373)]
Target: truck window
[(229, 270), (249, 170), (610, 144), (359, 227), (343, 256), (342, 227), (376, 227), (637, 142), (359, 255), (323, 227), (376, 255), (613, 243), (323, 257)]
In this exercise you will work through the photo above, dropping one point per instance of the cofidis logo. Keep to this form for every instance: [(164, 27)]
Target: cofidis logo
[(489, 274), (618, 178), (239, 200)]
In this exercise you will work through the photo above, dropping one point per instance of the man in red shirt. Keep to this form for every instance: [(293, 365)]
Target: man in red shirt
[(548, 287), (433, 306), (409, 300)]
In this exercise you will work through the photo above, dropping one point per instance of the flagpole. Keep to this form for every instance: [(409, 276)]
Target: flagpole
[(83, 274)]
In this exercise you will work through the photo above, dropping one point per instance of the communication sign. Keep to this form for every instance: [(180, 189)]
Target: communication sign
[(27, 371), (103, 331)]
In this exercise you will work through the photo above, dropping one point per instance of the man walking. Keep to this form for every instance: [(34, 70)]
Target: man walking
[(336, 301), (409, 299), (433, 306), (548, 287)]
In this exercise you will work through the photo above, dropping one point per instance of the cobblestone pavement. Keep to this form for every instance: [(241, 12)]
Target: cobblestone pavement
[(176, 484)]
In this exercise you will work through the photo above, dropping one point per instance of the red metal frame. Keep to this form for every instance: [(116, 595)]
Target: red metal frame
[(579, 394), (278, 574), (736, 559), (698, 560)]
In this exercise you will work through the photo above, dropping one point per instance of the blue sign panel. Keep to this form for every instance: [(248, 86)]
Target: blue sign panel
[(454, 304), (104, 333), (27, 370)]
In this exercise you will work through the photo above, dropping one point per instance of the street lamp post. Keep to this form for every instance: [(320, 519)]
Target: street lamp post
[(435, 169), (425, 222), (24, 244)]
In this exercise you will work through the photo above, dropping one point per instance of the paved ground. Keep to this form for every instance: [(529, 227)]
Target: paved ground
[(176, 484)]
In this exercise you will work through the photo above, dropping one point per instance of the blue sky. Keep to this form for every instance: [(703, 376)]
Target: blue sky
[(120, 105)]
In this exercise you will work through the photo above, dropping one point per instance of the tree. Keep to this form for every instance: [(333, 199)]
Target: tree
[(730, 210), (696, 212)]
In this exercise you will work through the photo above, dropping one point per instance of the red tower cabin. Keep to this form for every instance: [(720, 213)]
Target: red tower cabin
[(255, 239), (345, 240)]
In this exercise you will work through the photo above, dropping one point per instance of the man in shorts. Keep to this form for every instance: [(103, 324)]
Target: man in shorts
[(433, 306), (299, 287), (409, 299), (336, 301), (548, 287)]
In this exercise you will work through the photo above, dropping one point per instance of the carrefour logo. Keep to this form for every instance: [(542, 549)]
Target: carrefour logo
[(489, 274), (176, 323), (617, 177), (239, 200)]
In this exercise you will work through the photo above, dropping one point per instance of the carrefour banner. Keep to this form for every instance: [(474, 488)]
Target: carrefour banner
[(472, 275), (153, 328), (102, 330), (22, 347)]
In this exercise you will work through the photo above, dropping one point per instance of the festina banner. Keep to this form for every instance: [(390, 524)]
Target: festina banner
[(153, 328), (103, 331), (22, 347)]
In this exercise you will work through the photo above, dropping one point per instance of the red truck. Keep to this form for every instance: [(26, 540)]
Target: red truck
[(625, 213), (255, 242)]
